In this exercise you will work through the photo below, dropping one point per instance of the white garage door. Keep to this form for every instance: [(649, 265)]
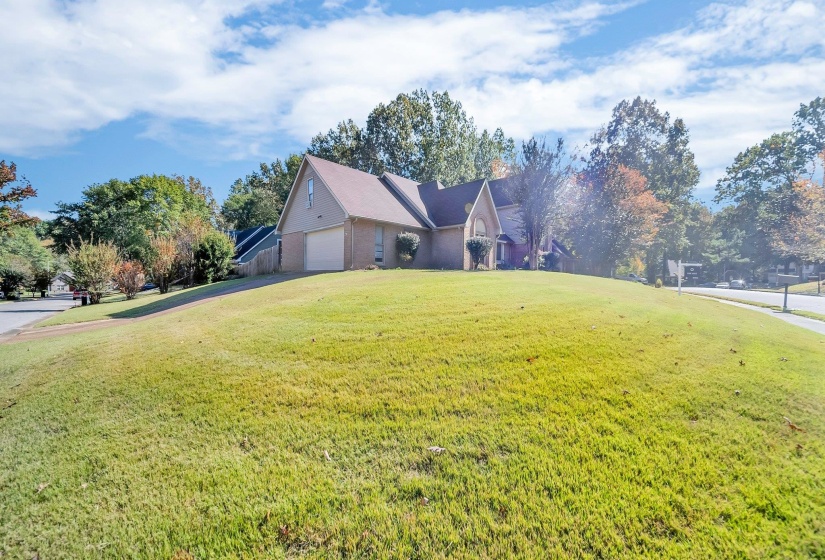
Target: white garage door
[(325, 249)]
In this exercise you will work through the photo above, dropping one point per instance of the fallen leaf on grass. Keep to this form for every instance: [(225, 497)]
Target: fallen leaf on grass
[(732, 351), (792, 426), (532, 359), (437, 450), (42, 486), (625, 392), (425, 500), (783, 359), (741, 362), (326, 454)]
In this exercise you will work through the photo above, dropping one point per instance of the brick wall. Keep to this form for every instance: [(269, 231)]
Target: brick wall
[(292, 252), (364, 245)]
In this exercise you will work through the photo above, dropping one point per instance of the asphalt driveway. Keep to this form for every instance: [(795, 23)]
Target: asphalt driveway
[(19, 314)]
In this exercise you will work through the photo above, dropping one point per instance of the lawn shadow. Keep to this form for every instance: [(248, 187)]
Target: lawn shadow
[(189, 296)]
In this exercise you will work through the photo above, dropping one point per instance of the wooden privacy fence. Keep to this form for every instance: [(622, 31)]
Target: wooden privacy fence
[(265, 262)]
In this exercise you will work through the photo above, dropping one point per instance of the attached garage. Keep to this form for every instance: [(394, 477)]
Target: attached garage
[(325, 249)]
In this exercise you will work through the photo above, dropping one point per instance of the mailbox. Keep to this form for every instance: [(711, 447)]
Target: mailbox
[(787, 279)]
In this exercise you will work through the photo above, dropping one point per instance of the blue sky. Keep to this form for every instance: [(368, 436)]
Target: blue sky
[(96, 89)]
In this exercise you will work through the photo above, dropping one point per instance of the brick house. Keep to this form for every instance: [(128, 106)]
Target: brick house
[(338, 218)]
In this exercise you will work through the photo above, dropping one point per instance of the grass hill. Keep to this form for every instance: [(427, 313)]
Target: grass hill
[(579, 417)]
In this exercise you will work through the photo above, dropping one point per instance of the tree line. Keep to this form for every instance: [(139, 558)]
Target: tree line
[(120, 234), (623, 202)]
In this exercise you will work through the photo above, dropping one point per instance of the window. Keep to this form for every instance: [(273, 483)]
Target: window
[(310, 192), (379, 244), (481, 229)]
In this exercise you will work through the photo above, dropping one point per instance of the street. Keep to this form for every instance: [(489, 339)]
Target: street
[(16, 315), (813, 304)]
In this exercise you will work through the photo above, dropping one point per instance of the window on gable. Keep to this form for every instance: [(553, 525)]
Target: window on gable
[(379, 244), (310, 192), (481, 228)]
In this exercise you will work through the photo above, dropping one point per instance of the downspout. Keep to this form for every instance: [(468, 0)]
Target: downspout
[(352, 244)]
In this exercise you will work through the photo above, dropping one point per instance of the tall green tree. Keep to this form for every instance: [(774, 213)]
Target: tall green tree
[(809, 128), (127, 212), (420, 135), (258, 199), (761, 184), (639, 136)]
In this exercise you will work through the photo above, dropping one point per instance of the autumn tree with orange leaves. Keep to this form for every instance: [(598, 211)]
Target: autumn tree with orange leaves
[(10, 213), (801, 235), (618, 218)]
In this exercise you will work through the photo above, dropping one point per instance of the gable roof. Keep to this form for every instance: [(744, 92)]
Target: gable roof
[(409, 190), (500, 188), (365, 196), (241, 236), (395, 199), (251, 241), (448, 206)]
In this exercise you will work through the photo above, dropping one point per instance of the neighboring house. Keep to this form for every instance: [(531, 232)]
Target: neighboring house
[(63, 282), (338, 218), (249, 242)]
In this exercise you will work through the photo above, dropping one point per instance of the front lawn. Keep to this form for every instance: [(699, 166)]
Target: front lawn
[(579, 417), (144, 303)]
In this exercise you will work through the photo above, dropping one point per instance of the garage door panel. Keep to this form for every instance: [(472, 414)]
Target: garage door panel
[(325, 249)]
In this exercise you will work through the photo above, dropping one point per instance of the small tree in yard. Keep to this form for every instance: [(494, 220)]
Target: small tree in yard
[(213, 257), (130, 278), (479, 248), (93, 267), (188, 236), (13, 275), (407, 246), (545, 189), (162, 261)]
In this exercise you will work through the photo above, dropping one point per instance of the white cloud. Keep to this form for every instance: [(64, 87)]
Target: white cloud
[(333, 4), (735, 74), (40, 213)]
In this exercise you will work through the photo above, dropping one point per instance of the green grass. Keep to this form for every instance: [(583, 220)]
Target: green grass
[(581, 417), (808, 288), (118, 307)]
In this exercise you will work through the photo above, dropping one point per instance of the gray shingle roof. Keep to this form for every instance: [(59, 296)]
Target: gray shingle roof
[(367, 196), (364, 195), (448, 206), (499, 189)]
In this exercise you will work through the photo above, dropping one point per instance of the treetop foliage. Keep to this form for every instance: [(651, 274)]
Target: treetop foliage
[(127, 212), (422, 136), (259, 198), (18, 189)]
